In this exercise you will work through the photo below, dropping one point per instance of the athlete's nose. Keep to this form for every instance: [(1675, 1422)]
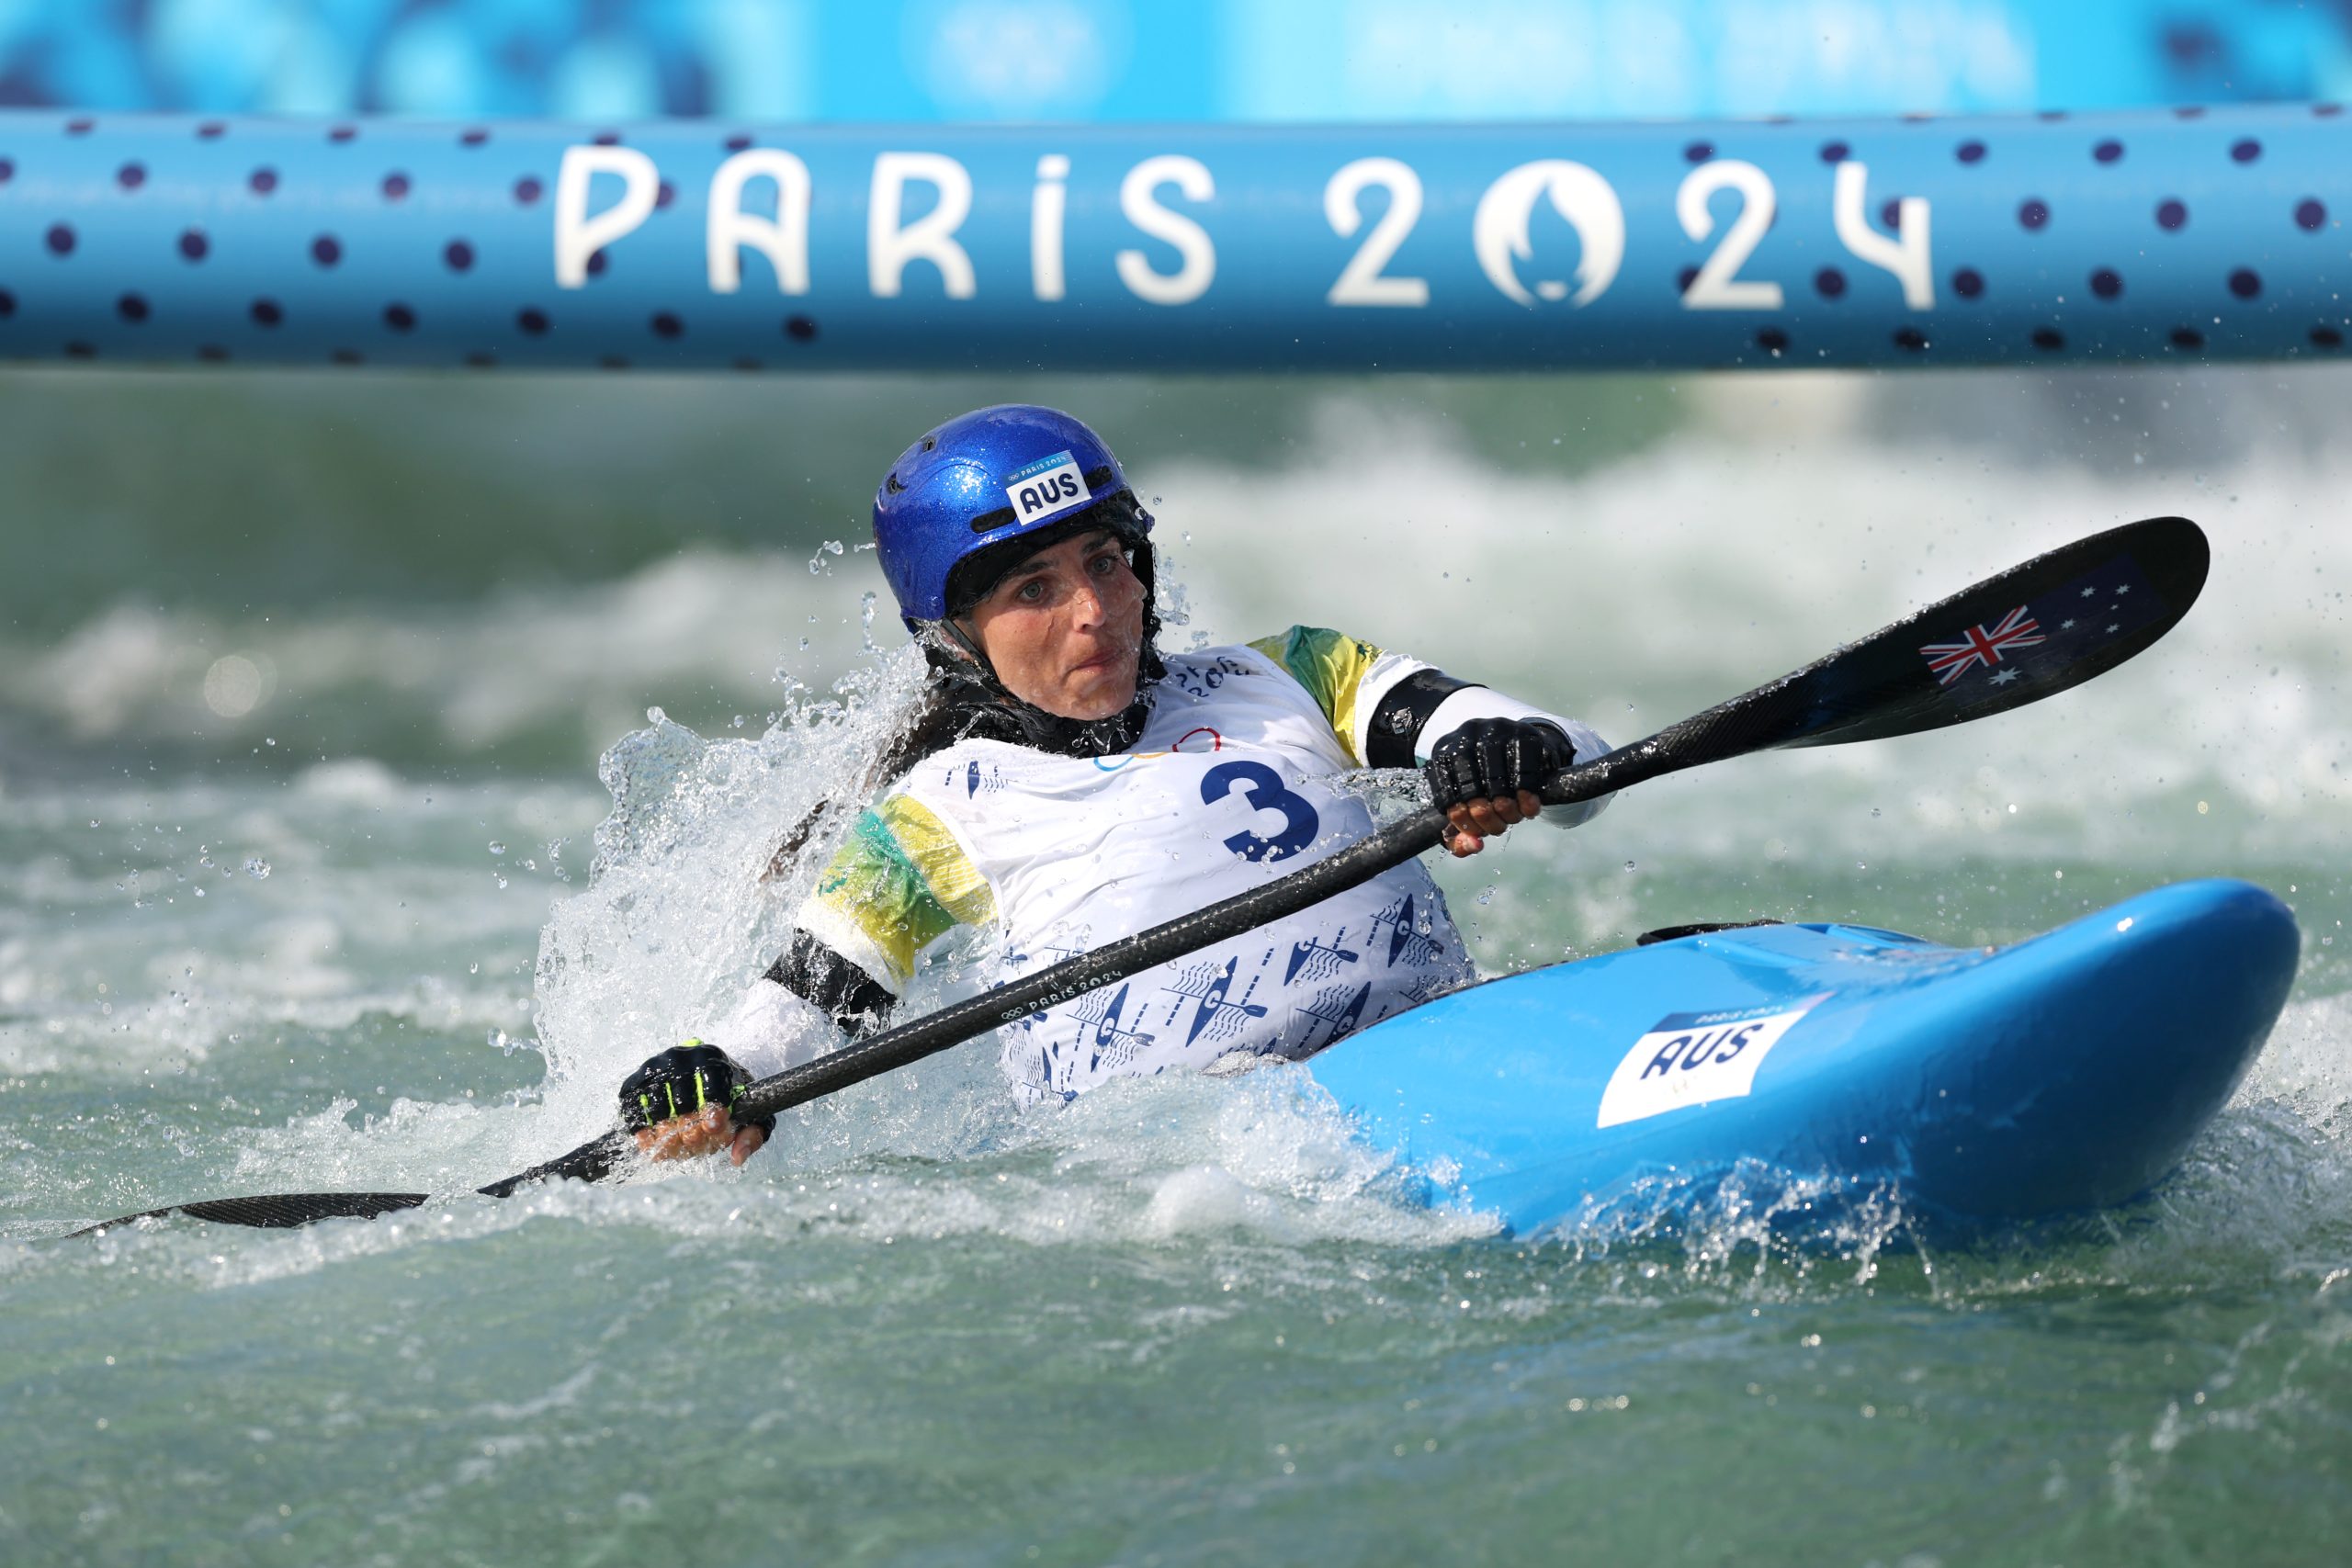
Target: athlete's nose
[(1087, 604)]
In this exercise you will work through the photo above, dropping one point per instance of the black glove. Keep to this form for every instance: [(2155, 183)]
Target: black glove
[(681, 1081), (1491, 757)]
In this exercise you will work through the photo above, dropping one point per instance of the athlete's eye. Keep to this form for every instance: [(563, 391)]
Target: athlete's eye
[(1105, 563), (1032, 591)]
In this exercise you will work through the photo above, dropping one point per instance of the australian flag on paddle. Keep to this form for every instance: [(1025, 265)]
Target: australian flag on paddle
[(2054, 630)]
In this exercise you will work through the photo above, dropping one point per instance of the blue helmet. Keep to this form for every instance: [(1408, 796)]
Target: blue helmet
[(983, 479)]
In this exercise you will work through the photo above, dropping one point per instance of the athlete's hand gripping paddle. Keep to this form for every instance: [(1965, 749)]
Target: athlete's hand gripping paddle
[(2029, 632)]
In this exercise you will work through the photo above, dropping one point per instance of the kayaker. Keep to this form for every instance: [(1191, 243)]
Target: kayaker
[(1064, 782)]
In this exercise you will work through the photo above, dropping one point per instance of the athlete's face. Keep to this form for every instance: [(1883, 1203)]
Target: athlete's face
[(1064, 628)]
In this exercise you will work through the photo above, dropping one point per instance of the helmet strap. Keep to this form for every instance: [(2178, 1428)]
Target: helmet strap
[(963, 638)]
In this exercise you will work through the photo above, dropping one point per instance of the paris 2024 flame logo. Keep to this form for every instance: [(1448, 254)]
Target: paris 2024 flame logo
[(1500, 231)]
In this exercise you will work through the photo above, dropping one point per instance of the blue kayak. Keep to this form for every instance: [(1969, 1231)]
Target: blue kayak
[(2069, 1071)]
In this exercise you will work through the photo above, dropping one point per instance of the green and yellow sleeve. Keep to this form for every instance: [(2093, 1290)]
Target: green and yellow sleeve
[(1332, 668), (898, 884)]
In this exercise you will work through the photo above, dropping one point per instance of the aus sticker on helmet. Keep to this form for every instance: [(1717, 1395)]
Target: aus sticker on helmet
[(1048, 485)]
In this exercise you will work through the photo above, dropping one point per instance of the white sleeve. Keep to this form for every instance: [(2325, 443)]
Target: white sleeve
[(1483, 701), (771, 1028)]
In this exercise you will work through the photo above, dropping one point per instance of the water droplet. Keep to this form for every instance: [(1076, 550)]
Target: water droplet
[(473, 968), (1874, 811), (497, 847), (1628, 865), (2202, 808), (256, 867)]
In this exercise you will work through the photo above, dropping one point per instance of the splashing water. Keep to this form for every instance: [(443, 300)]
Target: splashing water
[(1189, 1318)]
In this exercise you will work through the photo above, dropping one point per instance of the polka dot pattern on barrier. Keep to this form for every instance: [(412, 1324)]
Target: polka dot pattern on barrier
[(2212, 233)]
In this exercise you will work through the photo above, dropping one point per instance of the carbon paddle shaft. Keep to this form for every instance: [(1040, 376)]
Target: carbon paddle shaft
[(2029, 632), (927, 1036)]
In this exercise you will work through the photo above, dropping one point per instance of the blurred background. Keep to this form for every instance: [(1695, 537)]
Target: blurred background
[(1259, 61)]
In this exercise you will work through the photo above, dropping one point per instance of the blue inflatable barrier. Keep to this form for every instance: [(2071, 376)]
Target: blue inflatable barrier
[(688, 245)]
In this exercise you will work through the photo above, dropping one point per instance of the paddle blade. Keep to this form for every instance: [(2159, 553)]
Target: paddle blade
[(283, 1210), (2029, 632)]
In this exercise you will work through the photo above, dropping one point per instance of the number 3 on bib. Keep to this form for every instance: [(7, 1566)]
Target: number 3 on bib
[(1262, 790)]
